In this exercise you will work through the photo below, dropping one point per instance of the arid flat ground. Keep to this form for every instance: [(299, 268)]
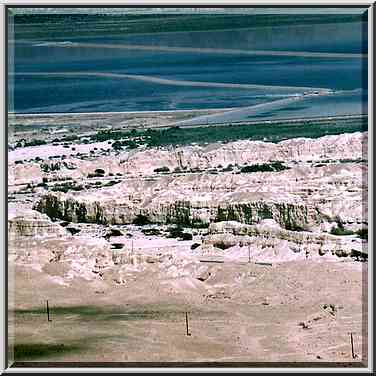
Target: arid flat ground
[(298, 311)]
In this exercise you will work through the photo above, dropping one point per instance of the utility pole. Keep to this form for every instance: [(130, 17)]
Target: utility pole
[(48, 313), (352, 346), (186, 323)]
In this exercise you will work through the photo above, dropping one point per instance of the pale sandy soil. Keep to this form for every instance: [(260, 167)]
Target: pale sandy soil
[(242, 313)]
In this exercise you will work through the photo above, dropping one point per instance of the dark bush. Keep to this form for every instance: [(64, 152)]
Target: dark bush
[(195, 245), (222, 245), (341, 231), (363, 233), (265, 167), (111, 183), (186, 236), (151, 231), (117, 145), (228, 168), (113, 232), (198, 223), (162, 169), (69, 138), (117, 245), (73, 230), (175, 232), (141, 220), (65, 187), (35, 142)]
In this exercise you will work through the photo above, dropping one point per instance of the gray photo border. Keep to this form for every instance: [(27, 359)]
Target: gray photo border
[(32, 367)]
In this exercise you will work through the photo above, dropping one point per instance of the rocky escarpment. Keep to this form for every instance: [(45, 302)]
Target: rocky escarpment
[(30, 223), (345, 146), (300, 197), (269, 237), (187, 213), (140, 162)]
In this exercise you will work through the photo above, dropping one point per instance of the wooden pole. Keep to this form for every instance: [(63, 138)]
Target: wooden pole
[(186, 323), (48, 312), (249, 254), (352, 346)]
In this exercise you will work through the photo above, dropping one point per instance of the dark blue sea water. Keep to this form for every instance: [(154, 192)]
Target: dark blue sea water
[(40, 93)]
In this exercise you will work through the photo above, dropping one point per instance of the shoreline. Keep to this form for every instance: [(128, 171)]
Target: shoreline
[(50, 114)]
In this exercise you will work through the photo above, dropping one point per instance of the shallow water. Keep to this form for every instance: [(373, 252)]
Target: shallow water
[(42, 93)]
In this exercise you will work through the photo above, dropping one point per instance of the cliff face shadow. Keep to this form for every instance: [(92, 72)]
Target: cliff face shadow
[(33, 351), (100, 313)]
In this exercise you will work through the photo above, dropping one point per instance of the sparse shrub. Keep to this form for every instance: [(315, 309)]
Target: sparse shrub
[(341, 231), (186, 236), (117, 245), (294, 227), (65, 187), (111, 183), (113, 232), (363, 233), (221, 245), (117, 145), (228, 168), (35, 142), (70, 138), (141, 220), (162, 169), (73, 230), (99, 171), (151, 231), (175, 232), (265, 167), (198, 223)]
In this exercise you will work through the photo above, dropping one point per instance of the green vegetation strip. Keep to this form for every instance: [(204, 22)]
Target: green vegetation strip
[(256, 132)]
